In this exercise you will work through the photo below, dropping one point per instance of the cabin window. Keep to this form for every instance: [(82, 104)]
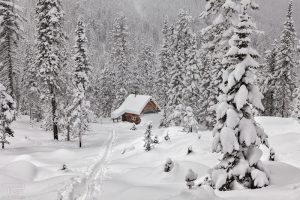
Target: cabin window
[(133, 118)]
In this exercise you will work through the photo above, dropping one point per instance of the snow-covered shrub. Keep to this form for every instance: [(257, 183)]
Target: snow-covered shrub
[(189, 121), (272, 156), (190, 150), (176, 118), (167, 137), (133, 128), (190, 178), (168, 165), (156, 140), (148, 137)]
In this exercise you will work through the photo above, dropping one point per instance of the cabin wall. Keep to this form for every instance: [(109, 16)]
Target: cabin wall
[(128, 117), (150, 108)]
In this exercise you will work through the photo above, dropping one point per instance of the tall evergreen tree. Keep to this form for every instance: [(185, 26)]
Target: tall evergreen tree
[(182, 38), (146, 64), (285, 81), (162, 73), (80, 107), (192, 79), (236, 135), (219, 15), (267, 80), (120, 54), (10, 34), (49, 60)]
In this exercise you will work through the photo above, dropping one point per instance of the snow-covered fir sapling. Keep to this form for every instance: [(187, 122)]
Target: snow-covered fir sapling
[(190, 178), (190, 150), (133, 128), (236, 135), (272, 156), (168, 165), (7, 115), (64, 167), (156, 140), (190, 122), (167, 137), (148, 137)]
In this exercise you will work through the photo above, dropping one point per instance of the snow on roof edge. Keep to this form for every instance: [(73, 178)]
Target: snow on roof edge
[(133, 104)]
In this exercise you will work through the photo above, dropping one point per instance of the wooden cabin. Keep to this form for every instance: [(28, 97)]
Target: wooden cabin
[(133, 107)]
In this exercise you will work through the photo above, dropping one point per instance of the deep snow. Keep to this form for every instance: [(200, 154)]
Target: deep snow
[(114, 166)]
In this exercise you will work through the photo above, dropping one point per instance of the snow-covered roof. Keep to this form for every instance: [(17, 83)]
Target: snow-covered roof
[(133, 104)]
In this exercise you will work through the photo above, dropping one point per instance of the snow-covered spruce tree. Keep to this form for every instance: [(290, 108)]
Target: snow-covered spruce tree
[(10, 34), (192, 78), (162, 73), (236, 133), (80, 107), (182, 37), (148, 138), (285, 80), (220, 15), (267, 80), (120, 54), (146, 64), (49, 59), (121, 95), (7, 114), (29, 87)]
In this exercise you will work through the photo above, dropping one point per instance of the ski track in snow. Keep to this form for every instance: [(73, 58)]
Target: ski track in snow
[(91, 183)]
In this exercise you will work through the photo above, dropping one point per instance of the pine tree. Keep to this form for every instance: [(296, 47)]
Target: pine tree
[(192, 79), (121, 95), (146, 63), (162, 73), (29, 89), (236, 133), (80, 107), (7, 114), (182, 37), (285, 67), (165, 62), (267, 80), (49, 51), (215, 46), (10, 34), (120, 54), (104, 92)]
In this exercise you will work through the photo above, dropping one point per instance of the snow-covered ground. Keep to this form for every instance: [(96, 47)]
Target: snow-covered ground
[(113, 165)]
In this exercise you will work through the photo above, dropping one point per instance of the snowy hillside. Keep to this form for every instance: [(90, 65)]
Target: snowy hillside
[(114, 165)]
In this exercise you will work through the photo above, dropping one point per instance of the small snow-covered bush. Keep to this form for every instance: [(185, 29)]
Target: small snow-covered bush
[(169, 165), (155, 140), (272, 156), (190, 178), (167, 137), (133, 128), (190, 150)]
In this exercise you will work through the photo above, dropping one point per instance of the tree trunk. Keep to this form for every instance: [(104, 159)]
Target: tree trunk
[(54, 120), (68, 133)]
